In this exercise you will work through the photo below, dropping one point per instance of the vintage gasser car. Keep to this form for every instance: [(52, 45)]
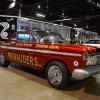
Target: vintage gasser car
[(48, 52)]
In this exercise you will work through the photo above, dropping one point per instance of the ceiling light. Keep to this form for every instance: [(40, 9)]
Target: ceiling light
[(47, 5), (40, 15), (87, 26), (78, 29), (12, 4), (61, 23), (62, 20), (88, 0), (39, 6), (63, 14), (75, 25)]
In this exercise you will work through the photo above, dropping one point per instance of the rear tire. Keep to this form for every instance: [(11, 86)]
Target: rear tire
[(57, 74), (3, 61)]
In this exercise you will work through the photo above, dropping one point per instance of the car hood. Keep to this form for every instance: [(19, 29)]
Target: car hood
[(85, 48)]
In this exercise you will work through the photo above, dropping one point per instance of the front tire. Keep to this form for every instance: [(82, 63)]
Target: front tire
[(57, 74), (3, 61)]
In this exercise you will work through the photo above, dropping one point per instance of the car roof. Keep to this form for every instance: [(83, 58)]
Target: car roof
[(94, 39)]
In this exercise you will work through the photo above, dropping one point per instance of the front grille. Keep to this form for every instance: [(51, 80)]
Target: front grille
[(93, 69), (92, 65)]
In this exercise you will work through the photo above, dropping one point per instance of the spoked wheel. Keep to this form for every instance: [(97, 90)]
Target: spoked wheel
[(3, 61), (57, 74)]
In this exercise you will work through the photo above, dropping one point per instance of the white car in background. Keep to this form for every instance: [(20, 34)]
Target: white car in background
[(93, 42)]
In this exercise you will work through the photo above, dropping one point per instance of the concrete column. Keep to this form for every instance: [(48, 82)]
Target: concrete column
[(19, 12)]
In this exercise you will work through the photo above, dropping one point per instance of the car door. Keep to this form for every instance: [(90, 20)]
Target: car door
[(20, 50)]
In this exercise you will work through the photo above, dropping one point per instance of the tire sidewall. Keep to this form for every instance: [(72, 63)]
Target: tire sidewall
[(5, 63), (65, 74)]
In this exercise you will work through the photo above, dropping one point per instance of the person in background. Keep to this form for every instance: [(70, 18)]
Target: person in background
[(76, 37)]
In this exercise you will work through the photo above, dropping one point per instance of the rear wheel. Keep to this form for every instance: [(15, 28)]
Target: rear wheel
[(3, 61), (57, 74)]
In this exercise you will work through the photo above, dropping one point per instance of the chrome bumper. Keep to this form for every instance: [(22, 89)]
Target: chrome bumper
[(84, 73)]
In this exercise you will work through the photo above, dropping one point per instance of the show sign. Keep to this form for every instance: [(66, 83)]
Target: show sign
[(8, 25)]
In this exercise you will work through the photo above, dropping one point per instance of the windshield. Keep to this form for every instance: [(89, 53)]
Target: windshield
[(48, 37)]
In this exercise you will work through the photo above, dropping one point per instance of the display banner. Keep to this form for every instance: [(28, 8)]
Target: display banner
[(8, 25)]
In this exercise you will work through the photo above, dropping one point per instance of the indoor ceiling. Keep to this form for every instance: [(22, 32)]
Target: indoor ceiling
[(83, 14)]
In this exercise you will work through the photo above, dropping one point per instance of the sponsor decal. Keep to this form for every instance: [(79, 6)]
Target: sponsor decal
[(5, 27), (75, 63), (46, 46), (11, 19), (7, 44), (29, 60), (4, 34), (24, 44)]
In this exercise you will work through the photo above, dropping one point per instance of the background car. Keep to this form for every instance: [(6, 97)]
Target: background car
[(93, 42)]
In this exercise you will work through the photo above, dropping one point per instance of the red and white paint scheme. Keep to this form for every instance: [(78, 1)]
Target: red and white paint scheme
[(49, 52)]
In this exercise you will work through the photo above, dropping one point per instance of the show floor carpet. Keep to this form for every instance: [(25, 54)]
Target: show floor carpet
[(20, 83)]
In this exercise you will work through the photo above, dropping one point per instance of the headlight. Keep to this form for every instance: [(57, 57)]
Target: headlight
[(92, 60), (85, 56)]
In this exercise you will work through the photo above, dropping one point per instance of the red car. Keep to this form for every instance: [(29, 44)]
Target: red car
[(48, 52)]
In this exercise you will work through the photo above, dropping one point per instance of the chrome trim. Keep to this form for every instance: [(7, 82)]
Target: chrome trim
[(55, 75), (80, 74), (2, 58), (86, 72), (93, 69), (42, 51)]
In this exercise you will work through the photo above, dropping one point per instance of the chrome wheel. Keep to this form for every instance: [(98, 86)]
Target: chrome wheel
[(2, 59), (55, 75)]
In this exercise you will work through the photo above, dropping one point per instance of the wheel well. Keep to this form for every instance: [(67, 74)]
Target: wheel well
[(59, 61)]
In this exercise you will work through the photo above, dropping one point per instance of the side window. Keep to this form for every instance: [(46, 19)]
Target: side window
[(92, 42), (22, 37), (89, 42), (97, 42)]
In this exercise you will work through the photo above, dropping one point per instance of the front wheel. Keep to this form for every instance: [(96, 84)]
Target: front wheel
[(3, 61), (57, 74)]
